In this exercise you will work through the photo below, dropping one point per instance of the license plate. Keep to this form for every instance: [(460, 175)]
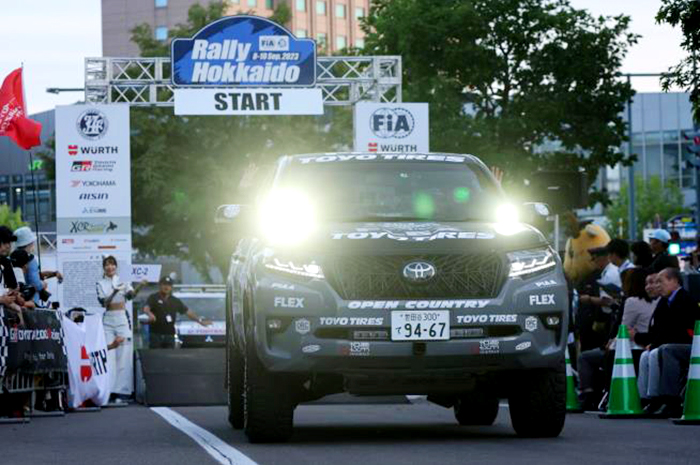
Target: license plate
[(420, 325)]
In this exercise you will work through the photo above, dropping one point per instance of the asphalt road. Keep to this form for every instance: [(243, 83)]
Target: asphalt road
[(402, 434)]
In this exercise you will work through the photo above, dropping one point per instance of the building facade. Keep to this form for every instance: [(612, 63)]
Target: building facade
[(19, 175), (658, 123), (334, 24)]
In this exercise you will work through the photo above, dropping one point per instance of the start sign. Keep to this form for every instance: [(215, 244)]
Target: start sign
[(248, 101)]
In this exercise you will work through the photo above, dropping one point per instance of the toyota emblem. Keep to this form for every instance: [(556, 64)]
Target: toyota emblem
[(418, 271)]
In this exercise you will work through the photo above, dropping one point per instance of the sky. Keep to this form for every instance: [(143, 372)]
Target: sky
[(53, 37)]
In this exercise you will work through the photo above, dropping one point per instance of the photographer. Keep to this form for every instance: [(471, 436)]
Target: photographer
[(26, 241)]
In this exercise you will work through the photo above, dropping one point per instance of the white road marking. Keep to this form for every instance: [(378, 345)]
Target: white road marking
[(222, 452)]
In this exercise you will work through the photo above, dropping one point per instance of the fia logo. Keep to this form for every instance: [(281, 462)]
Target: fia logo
[(395, 123), (273, 43), (92, 124)]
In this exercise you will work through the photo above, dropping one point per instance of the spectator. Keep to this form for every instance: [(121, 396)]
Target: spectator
[(112, 295), (695, 254), (671, 325), (642, 255), (9, 296), (659, 242), (162, 308), (618, 255), (642, 298), (26, 240), (594, 312), (20, 261)]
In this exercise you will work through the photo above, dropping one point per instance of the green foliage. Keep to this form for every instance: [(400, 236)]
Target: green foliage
[(686, 14), (9, 218), (183, 168), (528, 72), (282, 14), (651, 199)]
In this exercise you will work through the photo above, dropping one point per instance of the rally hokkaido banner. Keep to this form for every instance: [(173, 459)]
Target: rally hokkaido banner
[(13, 113), (87, 361)]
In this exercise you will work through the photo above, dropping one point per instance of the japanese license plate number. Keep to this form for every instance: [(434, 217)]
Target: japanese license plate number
[(420, 325)]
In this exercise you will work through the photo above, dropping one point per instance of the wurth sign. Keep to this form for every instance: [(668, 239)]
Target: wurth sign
[(391, 127)]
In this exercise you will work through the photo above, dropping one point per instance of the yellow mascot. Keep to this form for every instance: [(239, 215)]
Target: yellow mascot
[(582, 236)]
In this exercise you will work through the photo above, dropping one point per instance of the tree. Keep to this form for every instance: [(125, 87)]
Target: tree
[(523, 84), (686, 14), (9, 218), (651, 198), (184, 167)]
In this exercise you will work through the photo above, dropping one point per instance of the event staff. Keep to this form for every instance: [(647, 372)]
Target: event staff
[(112, 295), (162, 308)]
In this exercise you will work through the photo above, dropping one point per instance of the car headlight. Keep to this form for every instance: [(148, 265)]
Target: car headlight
[(296, 267), (287, 217), (525, 262)]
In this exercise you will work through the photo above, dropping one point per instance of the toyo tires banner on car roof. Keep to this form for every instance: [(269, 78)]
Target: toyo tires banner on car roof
[(244, 52)]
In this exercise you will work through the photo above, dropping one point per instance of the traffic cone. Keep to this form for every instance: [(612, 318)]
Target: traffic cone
[(624, 396), (691, 408), (572, 403)]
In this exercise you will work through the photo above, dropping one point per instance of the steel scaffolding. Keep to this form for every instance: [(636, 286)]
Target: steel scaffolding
[(146, 81)]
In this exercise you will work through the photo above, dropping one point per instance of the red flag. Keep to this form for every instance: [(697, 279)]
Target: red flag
[(13, 120)]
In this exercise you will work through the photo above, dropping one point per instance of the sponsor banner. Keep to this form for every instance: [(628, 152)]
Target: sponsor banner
[(150, 273), (36, 347), (248, 102), (107, 244), (391, 127), (93, 177), (93, 226), (243, 51), (88, 361)]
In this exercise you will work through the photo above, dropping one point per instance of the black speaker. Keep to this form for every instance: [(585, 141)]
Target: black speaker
[(562, 190)]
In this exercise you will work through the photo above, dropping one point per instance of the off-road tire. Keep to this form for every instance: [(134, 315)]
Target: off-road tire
[(538, 404), (268, 406), (476, 409), (235, 380)]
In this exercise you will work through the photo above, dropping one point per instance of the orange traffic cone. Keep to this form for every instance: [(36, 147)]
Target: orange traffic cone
[(572, 403), (624, 396), (691, 408)]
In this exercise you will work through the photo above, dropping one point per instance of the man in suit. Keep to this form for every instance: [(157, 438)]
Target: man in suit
[(670, 336)]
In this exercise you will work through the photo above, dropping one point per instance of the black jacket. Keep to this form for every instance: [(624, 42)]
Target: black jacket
[(662, 261), (8, 275), (671, 323)]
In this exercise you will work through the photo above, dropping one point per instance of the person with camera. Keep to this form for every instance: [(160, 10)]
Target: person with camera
[(10, 297), (26, 240)]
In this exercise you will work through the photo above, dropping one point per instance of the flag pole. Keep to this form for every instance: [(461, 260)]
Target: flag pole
[(36, 193)]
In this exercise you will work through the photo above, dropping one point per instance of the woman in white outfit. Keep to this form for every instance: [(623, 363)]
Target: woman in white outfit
[(112, 295)]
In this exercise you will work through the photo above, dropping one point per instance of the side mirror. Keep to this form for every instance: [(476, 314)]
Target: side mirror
[(229, 214), (534, 212)]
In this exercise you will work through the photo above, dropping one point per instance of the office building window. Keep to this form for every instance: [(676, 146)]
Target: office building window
[(301, 5), (321, 8), (301, 33), (253, 3), (270, 4), (161, 33), (321, 40), (359, 12), (161, 3), (360, 43), (340, 42), (235, 1), (340, 10)]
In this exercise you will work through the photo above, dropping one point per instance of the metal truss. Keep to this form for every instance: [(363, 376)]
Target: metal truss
[(146, 81)]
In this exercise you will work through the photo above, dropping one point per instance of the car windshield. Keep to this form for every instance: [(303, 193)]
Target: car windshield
[(395, 191), (211, 308)]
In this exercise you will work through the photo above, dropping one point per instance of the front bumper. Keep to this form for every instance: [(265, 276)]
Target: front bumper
[(314, 331)]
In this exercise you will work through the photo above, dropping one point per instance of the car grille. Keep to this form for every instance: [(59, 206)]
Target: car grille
[(476, 275)]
